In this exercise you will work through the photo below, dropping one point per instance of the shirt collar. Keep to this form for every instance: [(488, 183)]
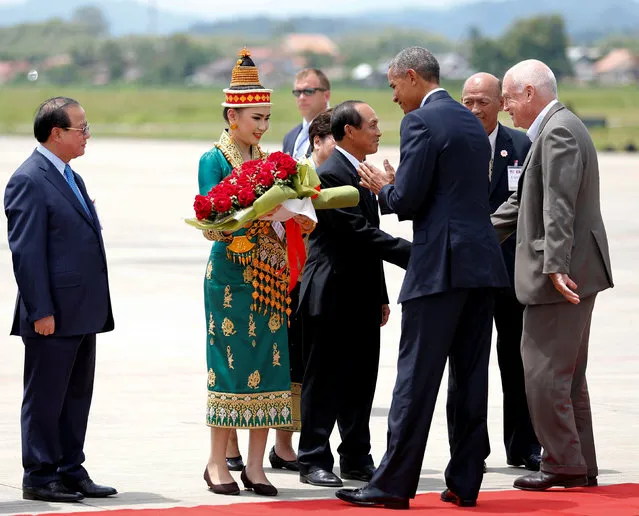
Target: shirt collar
[(492, 138), (305, 124), (533, 130), (429, 94), (55, 161), (353, 160)]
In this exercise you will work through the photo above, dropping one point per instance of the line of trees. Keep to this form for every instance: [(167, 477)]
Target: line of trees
[(94, 57)]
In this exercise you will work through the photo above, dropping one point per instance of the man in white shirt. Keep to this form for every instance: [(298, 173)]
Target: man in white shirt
[(343, 302), (312, 91)]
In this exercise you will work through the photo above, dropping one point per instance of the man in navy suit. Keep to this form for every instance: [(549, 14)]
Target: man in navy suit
[(447, 295), (482, 95), (312, 91), (63, 300)]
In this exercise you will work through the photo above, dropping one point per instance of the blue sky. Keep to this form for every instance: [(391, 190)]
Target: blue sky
[(281, 8)]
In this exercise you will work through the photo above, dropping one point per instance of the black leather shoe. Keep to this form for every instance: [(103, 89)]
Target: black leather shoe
[(531, 462), (369, 496), (321, 477), (450, 497), (222, 489), (363, 474), (90, 489), (592, 482), (258, 489), (52, 492), (235, 463), (278, 462), (541, 481)]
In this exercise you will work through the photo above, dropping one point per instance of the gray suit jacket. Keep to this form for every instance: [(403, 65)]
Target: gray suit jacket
[(557, 215)]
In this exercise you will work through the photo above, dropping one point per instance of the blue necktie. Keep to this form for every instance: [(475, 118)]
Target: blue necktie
[(68, 174)]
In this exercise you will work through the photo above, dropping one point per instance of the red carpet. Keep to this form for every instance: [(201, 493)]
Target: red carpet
[(615, 500)]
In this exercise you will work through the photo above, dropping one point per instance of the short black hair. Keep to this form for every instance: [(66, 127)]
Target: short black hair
[(416, 58), (52, 113), (345, 114), (320, 126)]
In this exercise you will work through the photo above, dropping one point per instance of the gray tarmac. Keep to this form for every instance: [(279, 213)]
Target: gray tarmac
[(146, 433)]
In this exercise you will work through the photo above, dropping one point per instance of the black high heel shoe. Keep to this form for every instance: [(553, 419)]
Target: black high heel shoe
[(223, 489), (278, 462), (234, 463), (258, 489)]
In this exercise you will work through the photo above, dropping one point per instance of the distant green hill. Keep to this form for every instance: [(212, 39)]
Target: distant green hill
[(36, 41), (586, 20)]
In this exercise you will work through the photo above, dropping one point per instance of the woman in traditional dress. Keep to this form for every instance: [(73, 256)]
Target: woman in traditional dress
[(246, 301)]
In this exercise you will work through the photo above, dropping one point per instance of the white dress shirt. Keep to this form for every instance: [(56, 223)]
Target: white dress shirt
[(429, 94), (301, 142), (354, 161), (492, 138), (533, 130)]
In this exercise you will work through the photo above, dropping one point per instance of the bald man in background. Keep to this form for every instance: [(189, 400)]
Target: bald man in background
[(482, 95), (561, 263)]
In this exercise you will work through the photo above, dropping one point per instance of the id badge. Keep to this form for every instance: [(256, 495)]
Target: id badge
[(514, 173)]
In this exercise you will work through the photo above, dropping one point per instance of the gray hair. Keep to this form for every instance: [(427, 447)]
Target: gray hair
[(535, 73), (418, 59)]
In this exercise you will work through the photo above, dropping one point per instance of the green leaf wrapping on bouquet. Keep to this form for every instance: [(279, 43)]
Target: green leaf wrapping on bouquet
[(275, 196), (336, 197), (306, 183)]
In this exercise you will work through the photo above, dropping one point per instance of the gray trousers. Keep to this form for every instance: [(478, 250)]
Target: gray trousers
[(554, 349)]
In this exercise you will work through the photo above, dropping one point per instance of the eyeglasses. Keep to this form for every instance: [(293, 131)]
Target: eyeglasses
[(307, 91), (85, 130)]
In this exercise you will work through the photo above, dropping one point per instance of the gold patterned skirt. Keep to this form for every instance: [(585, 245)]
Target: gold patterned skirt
[(249, 384)]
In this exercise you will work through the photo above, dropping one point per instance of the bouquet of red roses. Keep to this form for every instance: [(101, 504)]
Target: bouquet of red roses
[(258, 187)]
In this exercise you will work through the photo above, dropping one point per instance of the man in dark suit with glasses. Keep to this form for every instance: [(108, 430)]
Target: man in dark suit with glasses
[(63, 302), (312, 91)]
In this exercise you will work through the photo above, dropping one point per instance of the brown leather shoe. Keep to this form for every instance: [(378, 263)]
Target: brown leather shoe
[(540, 481), (222, 489)]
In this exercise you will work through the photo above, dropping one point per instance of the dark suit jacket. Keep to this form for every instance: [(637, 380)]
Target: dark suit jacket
[(441, 185), (347, 248), (516, 144), (59, 260), (289, 140)]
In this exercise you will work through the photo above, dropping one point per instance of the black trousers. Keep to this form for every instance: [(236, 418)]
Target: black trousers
[(341, 357), (58, 387), (456, 326), (519, 435)]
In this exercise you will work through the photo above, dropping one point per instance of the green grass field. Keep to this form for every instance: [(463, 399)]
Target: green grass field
[(195, 113)]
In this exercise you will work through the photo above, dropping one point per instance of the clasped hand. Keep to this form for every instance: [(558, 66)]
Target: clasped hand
[(375, 179)]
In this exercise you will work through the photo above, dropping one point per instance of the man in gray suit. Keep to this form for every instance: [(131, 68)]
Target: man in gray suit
[(561, 263)]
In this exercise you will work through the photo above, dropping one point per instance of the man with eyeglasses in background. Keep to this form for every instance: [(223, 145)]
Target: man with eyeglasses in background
[(312, 91), (63, 300)]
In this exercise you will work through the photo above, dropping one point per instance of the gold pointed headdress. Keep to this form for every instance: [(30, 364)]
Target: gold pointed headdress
[(245, 89)]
